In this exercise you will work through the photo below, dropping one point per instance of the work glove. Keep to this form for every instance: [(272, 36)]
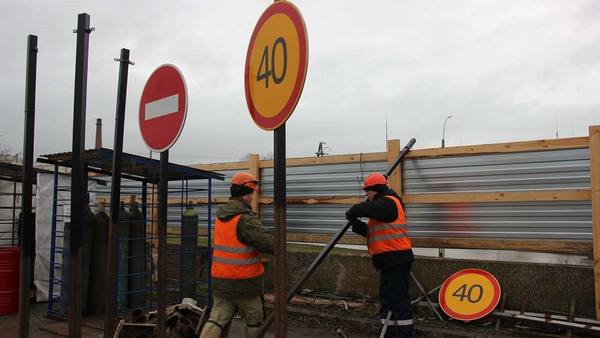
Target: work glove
[(351, 214)]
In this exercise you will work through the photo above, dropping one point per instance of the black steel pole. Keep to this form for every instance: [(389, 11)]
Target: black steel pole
[(77, 184), (280, 233), (162, 241), (115, 196), (26, 189)]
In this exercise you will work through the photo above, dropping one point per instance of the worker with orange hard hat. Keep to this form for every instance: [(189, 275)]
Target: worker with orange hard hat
[(390, 249), (237, 271)]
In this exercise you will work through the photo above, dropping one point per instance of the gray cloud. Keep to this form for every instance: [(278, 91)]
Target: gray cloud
[(506, 70)]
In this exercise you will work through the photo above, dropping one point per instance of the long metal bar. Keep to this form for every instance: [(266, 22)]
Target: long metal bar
[(53, 241), (77, 168), (115, 197), (14, 208), (27, 188), (280, 233), (209, 244), (426, 295), (162, 242), (313, 267)]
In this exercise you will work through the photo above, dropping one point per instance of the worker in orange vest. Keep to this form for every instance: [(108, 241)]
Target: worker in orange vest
[(390, 249), (237, 271)]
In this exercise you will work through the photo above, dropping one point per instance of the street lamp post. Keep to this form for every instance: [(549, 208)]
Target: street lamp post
[(444, 131)]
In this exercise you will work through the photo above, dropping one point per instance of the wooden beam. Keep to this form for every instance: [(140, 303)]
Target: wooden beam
[(553, 144), (507, 196), (393, 150), (334, 159), (595, 195), (550, 246), (222, 166)]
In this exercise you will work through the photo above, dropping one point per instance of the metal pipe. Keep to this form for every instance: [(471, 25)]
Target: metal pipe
[(27, 187), (280, 233), (115, 197), (53, 240), (162, 241), (77, 168)]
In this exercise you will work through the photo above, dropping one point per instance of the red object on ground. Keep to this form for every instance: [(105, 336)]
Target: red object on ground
[(9, 279)]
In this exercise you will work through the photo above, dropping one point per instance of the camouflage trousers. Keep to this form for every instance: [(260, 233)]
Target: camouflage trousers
[(223, 310)]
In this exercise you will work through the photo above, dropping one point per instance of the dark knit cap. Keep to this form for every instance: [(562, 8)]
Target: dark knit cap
[(240, 190)]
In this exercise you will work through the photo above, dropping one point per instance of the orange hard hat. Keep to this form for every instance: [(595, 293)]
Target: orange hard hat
[(245, 179), (374, 179)]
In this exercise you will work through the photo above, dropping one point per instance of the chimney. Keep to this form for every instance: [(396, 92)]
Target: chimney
[(98, 133)]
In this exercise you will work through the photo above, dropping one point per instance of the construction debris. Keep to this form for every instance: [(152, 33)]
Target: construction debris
[(184, 320)]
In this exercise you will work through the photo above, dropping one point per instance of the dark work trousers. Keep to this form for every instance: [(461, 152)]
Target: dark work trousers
[(393, 296)]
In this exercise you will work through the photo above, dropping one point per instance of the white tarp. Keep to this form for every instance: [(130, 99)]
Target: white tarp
[(43, 228)]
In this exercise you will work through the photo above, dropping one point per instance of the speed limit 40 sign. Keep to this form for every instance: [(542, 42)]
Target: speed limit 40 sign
[(276, 64), (469, 294)]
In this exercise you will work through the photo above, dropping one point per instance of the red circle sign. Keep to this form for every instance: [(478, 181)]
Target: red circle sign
[(163, 108), (276, 65), (469, 294)]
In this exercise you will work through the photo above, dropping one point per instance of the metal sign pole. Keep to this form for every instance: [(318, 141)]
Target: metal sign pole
[(280, 233), (77, 166), (27, 224), (162, 241), (115, 197)]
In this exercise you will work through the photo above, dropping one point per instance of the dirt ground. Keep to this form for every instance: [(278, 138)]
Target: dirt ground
[(42, 327), (302, 323)]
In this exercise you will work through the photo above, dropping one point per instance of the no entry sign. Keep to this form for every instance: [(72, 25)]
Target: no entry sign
[(163, 108), (276, 64)]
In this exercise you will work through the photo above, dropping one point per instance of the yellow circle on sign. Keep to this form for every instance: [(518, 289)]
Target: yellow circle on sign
[(270, 97), (469, 294), (276, 64)]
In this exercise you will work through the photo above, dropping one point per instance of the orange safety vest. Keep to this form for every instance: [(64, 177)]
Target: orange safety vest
[(385, 237), (232, 259)]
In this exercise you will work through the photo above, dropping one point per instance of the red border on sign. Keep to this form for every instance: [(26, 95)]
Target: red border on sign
[(291, 11), (479, 314), (163, 145)]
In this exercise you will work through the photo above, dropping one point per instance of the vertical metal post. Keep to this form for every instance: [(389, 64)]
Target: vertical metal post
[(53, 240), (209, 244), (115, 196), (77, 168), (145, 202), (162, 241), (280, 233), (14, 208), (26, 188)]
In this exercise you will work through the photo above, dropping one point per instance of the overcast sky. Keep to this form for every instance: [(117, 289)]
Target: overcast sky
[(505, 70)]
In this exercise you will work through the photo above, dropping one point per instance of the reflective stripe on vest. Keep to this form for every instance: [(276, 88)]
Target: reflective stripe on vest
[(388, 236), (232, 259)]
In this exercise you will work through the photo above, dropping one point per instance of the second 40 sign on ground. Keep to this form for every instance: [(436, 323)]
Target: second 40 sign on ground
[(276, 64), (469, 294)]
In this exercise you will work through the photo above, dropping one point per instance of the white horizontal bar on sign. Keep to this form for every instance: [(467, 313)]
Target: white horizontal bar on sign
[(161, 107)]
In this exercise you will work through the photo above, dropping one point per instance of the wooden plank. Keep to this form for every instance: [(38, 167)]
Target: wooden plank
[(393, 150), (507, 196), (222, 166), (546, 245), (333, 159), (550, 246), (595, 196), (316, 200), (553, 144), (254, 168)]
